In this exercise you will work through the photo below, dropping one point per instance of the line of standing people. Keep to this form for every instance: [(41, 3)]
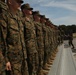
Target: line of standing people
[(28, 40)]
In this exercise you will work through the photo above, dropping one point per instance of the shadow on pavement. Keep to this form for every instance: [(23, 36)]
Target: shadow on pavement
[(74, 50)]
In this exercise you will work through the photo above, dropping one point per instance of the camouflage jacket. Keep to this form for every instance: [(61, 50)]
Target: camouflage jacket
[(39, 35), (30, 36), (46, 38), (3, 6), (12, 37)]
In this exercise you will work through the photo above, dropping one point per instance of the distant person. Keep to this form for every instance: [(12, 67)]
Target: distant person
[(70, 38)]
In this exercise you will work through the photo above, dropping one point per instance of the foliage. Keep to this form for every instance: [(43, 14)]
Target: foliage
[(68, 29)]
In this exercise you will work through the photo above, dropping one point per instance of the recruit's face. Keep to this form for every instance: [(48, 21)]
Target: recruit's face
[(27, 11), (36, 17), (14, 4), (43, 20)]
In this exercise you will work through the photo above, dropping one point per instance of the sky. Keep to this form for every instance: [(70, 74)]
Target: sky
[(60, 12)]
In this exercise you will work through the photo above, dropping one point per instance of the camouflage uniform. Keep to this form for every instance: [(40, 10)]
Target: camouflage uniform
[(31, 45), (58, 37), (3, 9), (50, 43), (30, 40), (39, 36), (13, 38), (2, 60), (46, 44), (53, 41)]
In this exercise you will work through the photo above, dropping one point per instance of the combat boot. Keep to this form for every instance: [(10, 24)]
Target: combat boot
[(46, 67), (52, 57), (50, 62), (40, 72), (45, 72)]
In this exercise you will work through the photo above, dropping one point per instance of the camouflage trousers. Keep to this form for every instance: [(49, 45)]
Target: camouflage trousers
[(19, 68), (46, 55), (32, 63), (2, 65), (41, 60)]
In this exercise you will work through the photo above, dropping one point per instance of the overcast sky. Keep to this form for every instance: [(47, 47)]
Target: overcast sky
[(58, 11)]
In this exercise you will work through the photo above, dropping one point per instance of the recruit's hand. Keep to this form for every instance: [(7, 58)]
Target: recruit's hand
[(8, 66)]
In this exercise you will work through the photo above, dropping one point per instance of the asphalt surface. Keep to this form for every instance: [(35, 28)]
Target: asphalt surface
[(65, 61)]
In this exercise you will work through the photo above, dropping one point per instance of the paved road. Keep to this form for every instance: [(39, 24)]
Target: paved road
[(64, 63)]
